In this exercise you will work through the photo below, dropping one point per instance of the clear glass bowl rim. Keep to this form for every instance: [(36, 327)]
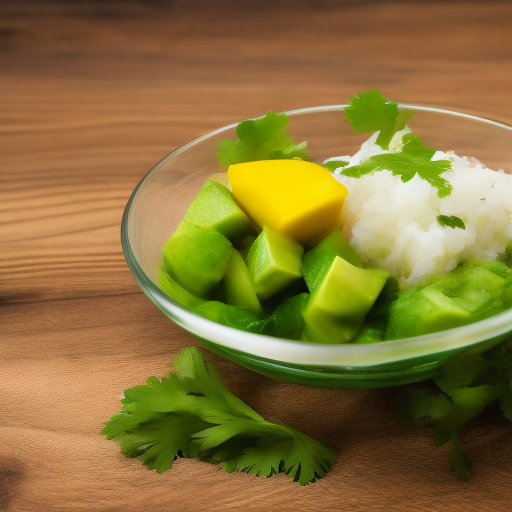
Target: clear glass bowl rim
[(305, 353)]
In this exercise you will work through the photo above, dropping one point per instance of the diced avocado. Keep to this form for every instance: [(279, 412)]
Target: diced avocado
[(296, 288), (231, 316), (245, 245), (375, 322), (286, 320), (372, 331), (215, 207), (274, 262), (467, 294), (472, 287), (506, 297), (237, 285), (317, 261), (424, 312), (495, 266), (196, 257), (176, 291), (336, 310)]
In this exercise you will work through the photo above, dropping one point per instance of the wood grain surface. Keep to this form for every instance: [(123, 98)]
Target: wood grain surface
[(92, 95)]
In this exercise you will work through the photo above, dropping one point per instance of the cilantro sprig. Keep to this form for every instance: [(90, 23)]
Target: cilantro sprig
[(332, 165), (468, 385), (371, 112), (263, 138), (190, 414), (414, 158)]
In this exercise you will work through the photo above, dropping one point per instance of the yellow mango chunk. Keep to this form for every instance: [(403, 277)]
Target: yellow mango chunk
[(296, 198)]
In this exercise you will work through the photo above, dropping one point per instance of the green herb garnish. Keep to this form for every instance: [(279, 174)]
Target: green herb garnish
[(190, 414), (371, 112), (414, 159), (332, 165), (468, 385), (261, 139), (450, 221)]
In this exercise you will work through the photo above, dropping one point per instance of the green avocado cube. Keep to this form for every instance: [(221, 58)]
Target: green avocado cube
[(245, 245), (237, 285), (231, 316), (424, 312), (336, 310), (375, 322), (274, 262), (197, 257), (176, 291), (286, 320), (317, 261), (215, 207), (506, 297), (472, 286), (467, 294)]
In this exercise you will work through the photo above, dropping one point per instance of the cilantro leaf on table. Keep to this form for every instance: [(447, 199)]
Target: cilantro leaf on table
[(413, 159), (263, 138), (190, 414), (371, 112), (468, 385)]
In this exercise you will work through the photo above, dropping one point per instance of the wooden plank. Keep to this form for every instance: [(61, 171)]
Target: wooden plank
[(94, 94)]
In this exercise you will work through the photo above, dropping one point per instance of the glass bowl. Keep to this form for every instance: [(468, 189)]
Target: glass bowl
[(160, 200)]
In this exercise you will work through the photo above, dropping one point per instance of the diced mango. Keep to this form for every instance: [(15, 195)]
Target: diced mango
[(295, 198)]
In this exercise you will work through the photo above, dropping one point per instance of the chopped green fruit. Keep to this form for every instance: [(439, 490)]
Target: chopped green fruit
[(375, 322), (176, 291), (231, 316), (472, 287), (495, 266), (506, 297), (370, 332), (215, 207), (197, 257), (274, 262), (336, 310), (317, 261), (422, 313), (286, 320), (467, 294), (245, 245), (237, 285)]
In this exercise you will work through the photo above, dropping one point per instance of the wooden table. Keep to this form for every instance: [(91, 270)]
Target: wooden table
[(93, 94)]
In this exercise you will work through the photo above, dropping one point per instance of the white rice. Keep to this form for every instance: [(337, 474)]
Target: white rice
[(394, 225)]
